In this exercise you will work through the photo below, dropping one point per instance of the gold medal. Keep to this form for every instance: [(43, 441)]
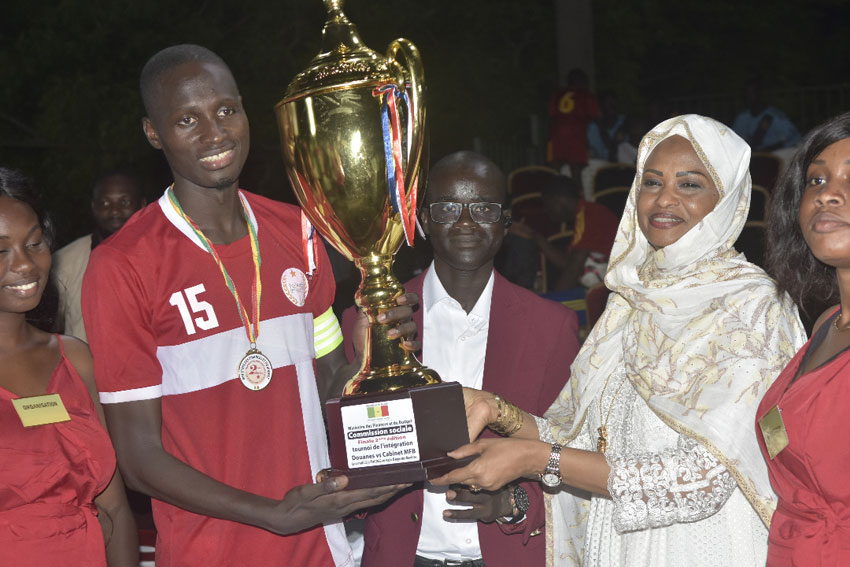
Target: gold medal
[(255, 370)]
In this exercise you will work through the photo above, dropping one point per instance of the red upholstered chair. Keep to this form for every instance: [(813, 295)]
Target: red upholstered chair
[(524, 185), (529, 179), (529, 209), (614, 198), (614, 175)]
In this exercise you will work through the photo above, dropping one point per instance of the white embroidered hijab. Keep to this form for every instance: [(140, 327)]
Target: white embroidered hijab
[(700, 332)]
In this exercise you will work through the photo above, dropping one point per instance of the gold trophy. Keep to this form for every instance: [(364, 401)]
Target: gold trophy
[(352, 129)]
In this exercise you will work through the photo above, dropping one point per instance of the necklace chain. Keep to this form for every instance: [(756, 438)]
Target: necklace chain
[(835, 323), (602, 440)]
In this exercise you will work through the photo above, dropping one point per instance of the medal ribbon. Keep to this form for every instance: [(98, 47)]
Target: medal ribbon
[(389, 94), (252, 331)]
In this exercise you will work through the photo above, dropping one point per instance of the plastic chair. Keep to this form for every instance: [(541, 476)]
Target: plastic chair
[(529, 179), (759, 202), (765, 168), (613, 175), (752, 242), (615, 198)]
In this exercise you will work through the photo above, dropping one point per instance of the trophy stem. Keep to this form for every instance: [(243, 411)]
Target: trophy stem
[(386, 365)]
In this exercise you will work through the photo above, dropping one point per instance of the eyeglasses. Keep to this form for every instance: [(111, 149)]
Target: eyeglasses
[(449, 213)]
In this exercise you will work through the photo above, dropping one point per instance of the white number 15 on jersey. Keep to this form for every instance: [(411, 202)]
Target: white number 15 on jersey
[(197, 307)]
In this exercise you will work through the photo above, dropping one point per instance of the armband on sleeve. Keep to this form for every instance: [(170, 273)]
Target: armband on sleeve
[(326, 333)]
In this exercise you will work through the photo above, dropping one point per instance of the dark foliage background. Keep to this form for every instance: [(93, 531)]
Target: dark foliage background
[(70, 108)]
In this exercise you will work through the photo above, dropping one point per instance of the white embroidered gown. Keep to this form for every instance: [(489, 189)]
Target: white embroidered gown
[(672, 505)]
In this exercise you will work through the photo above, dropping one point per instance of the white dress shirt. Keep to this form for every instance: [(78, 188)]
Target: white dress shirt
[(454, 344)]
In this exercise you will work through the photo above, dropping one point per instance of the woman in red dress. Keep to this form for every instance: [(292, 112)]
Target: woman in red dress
[(803, 417), (62, 501)]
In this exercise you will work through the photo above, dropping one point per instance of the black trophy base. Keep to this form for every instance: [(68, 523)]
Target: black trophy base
[(441, 427)]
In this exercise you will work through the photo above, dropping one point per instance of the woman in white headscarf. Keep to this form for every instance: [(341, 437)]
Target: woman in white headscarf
[(656, 421)]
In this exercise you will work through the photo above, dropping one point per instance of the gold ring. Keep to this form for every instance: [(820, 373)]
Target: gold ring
[(474, 489)]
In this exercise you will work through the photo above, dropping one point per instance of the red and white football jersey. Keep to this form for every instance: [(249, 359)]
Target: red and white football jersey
[(163, 324)]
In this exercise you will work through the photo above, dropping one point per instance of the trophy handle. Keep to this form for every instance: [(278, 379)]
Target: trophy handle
[(415, 74)]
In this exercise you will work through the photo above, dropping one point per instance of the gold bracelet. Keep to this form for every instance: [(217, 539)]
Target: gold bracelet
[(500, 406), (509, 420), (518, 419)]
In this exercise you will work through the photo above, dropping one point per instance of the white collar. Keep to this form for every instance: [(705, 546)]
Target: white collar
[(433, 292), (180, 224)]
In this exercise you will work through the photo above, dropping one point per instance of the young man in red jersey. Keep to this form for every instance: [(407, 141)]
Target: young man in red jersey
[(209, 318)]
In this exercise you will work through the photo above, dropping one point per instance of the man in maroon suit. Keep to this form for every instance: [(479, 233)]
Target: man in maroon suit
[(484, 332)]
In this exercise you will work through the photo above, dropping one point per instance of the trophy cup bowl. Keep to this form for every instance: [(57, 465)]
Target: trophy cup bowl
[(352, 129)]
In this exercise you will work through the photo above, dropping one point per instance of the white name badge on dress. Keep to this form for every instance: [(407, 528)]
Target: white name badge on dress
[(380, 433), (41, 410), (773, 430)]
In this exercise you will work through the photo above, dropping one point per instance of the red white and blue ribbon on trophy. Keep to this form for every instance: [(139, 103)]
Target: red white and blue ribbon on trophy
[(309, 242), (402, 200)]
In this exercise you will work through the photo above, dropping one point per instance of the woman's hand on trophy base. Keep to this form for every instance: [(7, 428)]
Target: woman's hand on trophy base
[(481, 410), (402, 317), (309, 505), (499, 462)]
